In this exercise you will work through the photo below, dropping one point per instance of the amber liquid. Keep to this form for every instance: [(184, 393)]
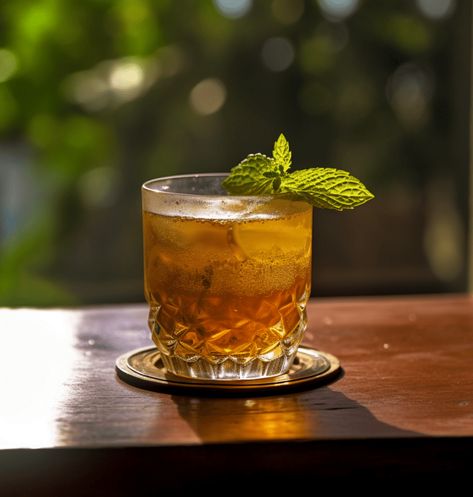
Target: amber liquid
[(228, 288)]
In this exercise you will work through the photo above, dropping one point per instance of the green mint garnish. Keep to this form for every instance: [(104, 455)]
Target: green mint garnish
[(323, 187), (281, 154)]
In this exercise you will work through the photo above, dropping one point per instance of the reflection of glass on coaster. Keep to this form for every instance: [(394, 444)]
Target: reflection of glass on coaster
[(144, 368)]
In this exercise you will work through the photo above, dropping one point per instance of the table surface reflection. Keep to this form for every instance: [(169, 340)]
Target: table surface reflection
[(402, 406)]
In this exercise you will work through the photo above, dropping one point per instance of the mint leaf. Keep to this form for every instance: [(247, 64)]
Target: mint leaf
[(323, 187), (326, 188), (255, 175), (281, 153)]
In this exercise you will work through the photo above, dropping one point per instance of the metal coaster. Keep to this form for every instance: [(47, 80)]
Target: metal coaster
[(144, 368)]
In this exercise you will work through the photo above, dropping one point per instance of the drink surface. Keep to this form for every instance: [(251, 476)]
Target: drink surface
[(228, 286)]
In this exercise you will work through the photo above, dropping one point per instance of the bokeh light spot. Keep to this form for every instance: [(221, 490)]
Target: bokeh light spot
[(443, 236), (208, 96), (114, 82), (436, 9), (97, 187), (87, 89), (409, 91), (8, 64), (337, 10), (287, 11), (277, 54), (233, 8), (126, 76)]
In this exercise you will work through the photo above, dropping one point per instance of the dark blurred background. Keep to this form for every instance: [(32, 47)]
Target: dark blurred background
[(96, 96)]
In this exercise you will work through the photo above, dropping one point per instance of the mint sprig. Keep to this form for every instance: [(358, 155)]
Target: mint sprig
[(253, 176), (323, 187), (281, 154)]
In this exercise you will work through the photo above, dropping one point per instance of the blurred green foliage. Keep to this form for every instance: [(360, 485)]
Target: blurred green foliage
[(96, 97)]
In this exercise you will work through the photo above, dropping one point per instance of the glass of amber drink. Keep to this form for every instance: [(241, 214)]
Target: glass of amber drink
[(227, 278)]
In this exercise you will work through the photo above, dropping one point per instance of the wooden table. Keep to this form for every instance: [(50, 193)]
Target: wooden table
[(402, 409)]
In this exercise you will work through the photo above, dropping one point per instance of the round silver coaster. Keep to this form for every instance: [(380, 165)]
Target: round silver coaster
[(144, 368)]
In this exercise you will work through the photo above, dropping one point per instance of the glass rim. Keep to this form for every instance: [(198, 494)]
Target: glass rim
[(146, 187)]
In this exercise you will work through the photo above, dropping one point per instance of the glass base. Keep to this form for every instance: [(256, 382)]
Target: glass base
[(144, 368), (229, 368), (242, 366)]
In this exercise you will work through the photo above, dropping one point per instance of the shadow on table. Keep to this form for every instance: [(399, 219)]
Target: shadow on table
[(316, 414), (315, 437)]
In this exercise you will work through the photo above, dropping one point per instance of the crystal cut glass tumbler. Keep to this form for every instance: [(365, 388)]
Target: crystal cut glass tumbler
[(227, 278)]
